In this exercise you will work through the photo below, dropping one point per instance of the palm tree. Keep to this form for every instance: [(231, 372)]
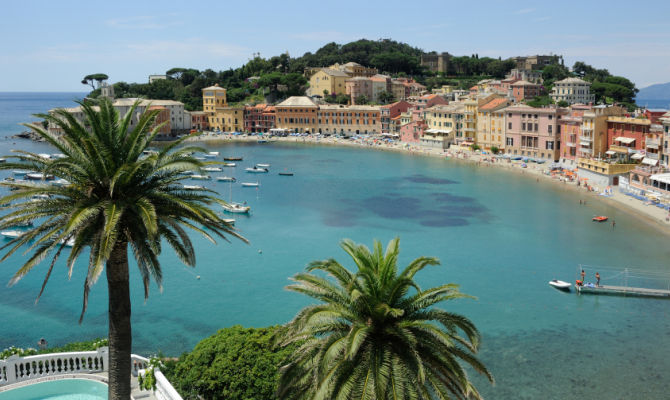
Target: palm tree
[(377, 335), (115, 197)]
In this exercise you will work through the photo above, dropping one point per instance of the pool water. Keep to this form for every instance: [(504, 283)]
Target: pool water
[(63, 389)]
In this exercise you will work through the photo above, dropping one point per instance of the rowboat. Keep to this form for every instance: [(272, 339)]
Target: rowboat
[(232, 158), (250, 184), (600, 218), (286, 173)]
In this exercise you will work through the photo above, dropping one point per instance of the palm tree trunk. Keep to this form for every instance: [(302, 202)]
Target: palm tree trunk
[(120, 334)]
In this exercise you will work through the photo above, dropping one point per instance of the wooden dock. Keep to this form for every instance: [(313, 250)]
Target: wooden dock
[(623, 291)]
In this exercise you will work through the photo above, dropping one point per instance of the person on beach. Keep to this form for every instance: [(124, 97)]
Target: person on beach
[(613, 223), (597, 279)]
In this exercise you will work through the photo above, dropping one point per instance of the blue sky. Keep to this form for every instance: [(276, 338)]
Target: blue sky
[(51, 45)]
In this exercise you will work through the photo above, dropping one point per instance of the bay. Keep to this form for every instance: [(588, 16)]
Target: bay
[(500, 235)]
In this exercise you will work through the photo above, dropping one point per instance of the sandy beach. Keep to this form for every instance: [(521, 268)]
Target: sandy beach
[(650, 214)]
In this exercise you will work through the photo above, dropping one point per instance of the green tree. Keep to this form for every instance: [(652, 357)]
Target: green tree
[(115, 199), (386, 97), (342, 99), (234, 364), (362, 99), (377, 335), (91, 79)]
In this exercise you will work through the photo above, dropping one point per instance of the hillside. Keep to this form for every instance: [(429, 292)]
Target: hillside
[(660, 91)]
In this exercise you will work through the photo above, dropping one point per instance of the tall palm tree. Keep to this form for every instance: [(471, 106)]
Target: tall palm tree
[(377, 335), (115, 198)]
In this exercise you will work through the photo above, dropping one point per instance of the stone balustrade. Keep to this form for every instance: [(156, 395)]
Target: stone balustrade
[(17, 369)]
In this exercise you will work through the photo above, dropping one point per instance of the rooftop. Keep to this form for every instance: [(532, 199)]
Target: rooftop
[(494, 104), (297, 101), (574, 80)]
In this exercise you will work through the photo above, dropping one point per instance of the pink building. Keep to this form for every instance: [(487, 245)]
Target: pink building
[(427, 101), (412, 131), (524, 90), (533, 132), (570, 126)]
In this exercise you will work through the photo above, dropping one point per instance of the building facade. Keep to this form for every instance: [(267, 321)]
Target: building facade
[(491, 124), (533, 132), (358, 86), (436, 62), (524, 90), (259, 118), (297, 114), (199, 120), (336, 119), (572, 90), (391, 111), (328, 81), (626, 137)]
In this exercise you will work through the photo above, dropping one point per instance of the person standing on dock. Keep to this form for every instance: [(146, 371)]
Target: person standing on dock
[(597, 279)]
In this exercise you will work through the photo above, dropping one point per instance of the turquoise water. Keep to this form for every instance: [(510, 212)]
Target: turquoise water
[(501, 236), (64, 389)]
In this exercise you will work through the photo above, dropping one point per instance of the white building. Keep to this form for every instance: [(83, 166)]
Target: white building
[(153, 78), (572, 90)]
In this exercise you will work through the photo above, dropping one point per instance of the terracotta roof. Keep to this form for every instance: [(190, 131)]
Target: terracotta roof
[(524, 83), (215, 87), (494, 104)]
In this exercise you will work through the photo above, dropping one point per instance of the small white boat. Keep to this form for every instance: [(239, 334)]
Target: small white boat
[(212, 154), (58, 155), (236, 208), (2, 160), (38, 176), (44, 156), (256, 170), (61, 182), (230, 164), (188, 172), (226, 179), (20, 172), (68, 243), (40, 197), (11, 234), (560, 285), (263, 165), (212, 169), (229, 221), (250, 184), (200, 158), (193, 187), (201, 177)]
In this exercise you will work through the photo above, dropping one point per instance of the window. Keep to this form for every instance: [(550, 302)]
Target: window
[(549, 145), (509, 125), (536, 127), (523, 126), (550, 117), (510, 142), (549, 129)]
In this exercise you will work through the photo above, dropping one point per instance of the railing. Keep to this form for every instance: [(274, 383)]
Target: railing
[(585, 138), (19, 369)]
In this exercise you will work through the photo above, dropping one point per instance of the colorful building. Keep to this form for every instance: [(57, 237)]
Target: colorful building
[(259, 118), (328, 81), (413, 126), (391, 111), (358, 86), (297, 114), (570, 126), (212, 97), (228, 119), (491, 124), (593, 138), (626, 137), (348, 121), (199, 120), (445, 120), (665, 152), (524, 90), (533, 132)]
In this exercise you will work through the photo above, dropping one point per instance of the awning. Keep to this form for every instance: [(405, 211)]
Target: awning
[(431, 131), (649, 161), (665, 178), (585, 144), (610, 152), (623, 139), (637, 156), (571, 144)]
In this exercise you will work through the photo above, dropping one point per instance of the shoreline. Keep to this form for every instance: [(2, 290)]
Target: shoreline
[(651, 215)]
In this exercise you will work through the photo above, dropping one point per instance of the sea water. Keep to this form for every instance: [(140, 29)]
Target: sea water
[(501, 236)]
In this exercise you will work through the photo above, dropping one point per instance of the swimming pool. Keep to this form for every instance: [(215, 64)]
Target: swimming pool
[(62, 389)]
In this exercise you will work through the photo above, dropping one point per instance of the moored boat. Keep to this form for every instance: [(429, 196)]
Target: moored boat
[(193, 187), (236, 208), (226, 179), (38, 176), (212, 169), (599, 218), (256, 170), (201, 177), (250, 184), (230, 164), (20, 172), (11, 234), (229, 221), (232, 158), (560, 285), (262, 165), (286, 173), (212, 154)]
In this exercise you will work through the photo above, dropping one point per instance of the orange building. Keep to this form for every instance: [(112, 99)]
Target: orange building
[(297, 114)]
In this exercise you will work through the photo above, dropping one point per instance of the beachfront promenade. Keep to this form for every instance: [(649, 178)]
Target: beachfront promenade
[(644, 210)]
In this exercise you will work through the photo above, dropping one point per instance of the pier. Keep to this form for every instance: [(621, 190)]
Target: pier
[(626, 282)]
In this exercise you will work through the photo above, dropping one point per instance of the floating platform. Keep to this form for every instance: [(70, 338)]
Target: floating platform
[(623, 291)]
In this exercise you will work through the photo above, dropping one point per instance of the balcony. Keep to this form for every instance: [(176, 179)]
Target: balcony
[(583, 138), (620, 149), (652, 143), (605, 168)]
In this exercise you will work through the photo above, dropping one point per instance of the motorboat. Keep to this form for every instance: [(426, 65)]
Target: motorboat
[(232, 158), (212, 169), (201, 177), (20, 172), (256, 170), (193, 187), (11, 234), (61, 182), (44, 156), (230, 164), (212, 154), (58, 155), (226, 179), (286, 173), (250, 184), (229, 221), (560, 285), (2, 160), (200, 158), (263, 165), (187, 172), (236, 208), (38, 176), (599, 218)]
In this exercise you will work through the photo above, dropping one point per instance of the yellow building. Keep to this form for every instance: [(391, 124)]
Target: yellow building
[(220, 116), (328, 81), (443, 120), (212, 97), (491, 124), (470, 120)]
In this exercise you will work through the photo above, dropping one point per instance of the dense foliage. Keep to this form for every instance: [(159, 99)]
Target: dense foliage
[(234, 364), (88, 345), (376, 335)]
